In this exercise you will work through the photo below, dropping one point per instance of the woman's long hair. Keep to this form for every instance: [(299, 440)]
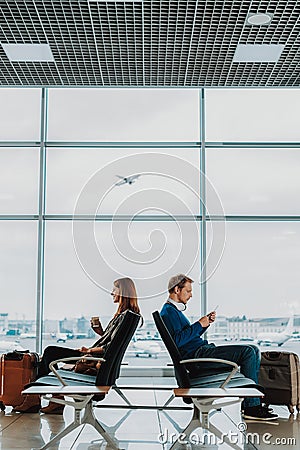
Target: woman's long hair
[(127, 296)]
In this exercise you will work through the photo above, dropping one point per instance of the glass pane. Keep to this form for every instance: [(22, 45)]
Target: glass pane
[(252, 115), (89, 181), (124, 115), (84, 258), (18, 256), (19, 177), (20, 114), (257, 281), (255, 181)]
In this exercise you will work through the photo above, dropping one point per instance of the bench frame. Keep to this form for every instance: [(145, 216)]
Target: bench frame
[(82, 398), (206, 402)]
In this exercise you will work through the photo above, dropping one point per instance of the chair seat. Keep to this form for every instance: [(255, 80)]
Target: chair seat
[(212, 378), (199, 373), (237, 381), (81, 377), (51, 380)]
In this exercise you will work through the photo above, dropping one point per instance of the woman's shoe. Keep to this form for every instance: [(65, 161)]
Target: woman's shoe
[(31, 404), (54, 408)]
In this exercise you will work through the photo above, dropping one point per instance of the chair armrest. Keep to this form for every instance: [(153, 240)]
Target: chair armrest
[(216, 360), (71, 358)]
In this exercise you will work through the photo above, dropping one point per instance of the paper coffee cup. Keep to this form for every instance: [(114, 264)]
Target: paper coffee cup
[(95, 321)]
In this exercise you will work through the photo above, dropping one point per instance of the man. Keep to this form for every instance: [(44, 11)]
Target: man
[(188, 339)]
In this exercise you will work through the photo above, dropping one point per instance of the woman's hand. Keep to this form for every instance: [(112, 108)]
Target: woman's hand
[(96, 350), (83, 349), (90, 351), (98, 330)]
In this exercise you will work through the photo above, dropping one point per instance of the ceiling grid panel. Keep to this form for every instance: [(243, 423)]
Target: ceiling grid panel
[(185, 48), (176, 37), (177, 43), (95, 67), (99, 34), (55, 73), (138, 42), (126, 43), (114, 66), (166, 17)]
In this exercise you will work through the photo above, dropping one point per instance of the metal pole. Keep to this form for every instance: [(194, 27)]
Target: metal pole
[(203, 289), (41, 224)]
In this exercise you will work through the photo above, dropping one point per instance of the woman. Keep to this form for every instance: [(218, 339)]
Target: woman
[(123, 293)]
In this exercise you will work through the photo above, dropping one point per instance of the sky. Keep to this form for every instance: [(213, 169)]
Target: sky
[(252, 267)]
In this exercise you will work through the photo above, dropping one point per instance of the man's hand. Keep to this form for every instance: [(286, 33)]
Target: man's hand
[(204, 321), (211, 316)]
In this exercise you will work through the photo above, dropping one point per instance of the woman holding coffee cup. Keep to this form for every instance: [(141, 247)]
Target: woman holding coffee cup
[(124, 294)]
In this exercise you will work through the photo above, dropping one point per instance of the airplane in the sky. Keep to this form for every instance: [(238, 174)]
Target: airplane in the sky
[(127, 180), (276, 337)]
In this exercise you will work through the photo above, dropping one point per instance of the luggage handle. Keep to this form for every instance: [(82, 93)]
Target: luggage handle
[(17, 355), (273, 356)]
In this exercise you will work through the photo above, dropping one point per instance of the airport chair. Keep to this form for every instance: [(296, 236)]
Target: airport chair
[(209, 388), (84, 389)]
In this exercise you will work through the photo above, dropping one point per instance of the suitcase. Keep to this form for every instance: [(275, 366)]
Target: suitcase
[(16, 370), (280, 376)]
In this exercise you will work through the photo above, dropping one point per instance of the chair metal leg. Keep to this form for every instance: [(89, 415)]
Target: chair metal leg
[(123, 396), (224, 438), (60, 435), (111, 430), (90, 418), (169, 400), (194, 423), (204, 409), (87, 417), (172, 421)]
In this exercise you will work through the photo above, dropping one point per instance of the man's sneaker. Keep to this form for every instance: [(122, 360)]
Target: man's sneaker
[(268, 408), (258, 413)]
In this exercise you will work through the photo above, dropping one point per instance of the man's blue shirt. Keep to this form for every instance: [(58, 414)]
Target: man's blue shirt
[(186, 335)]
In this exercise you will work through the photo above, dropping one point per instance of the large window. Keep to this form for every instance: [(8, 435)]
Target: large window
[(112, 186), (20, 114), (255, 181), (18, 261), (258, 273), (19, 168), (89, 181), (124, 115), (83, 259), (252, 115)]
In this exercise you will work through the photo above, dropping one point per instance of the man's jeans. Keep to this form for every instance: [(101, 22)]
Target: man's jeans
[(246, 356)]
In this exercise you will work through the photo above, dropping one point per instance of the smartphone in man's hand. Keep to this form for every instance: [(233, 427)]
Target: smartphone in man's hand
[(212, 315)]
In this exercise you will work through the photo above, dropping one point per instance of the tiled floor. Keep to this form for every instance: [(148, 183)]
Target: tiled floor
[(140, 429)]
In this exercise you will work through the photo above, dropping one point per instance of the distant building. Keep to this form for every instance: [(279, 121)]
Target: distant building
[(3, 321), (242, 328), (220, 327), (22, 325), (67, 326)]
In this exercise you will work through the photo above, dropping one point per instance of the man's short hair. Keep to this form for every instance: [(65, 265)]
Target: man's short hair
[(178, 280)]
